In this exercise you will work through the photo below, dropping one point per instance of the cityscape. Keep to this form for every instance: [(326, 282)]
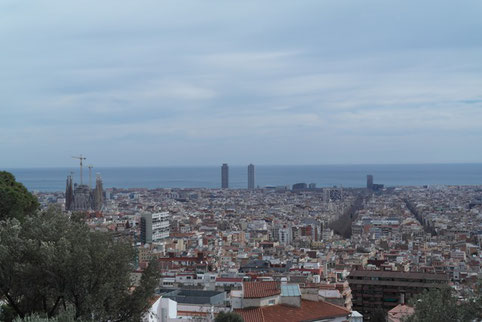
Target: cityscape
[(265, 251), (241, 161)]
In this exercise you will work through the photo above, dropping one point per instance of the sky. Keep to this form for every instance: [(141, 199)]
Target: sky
[(179, 83)]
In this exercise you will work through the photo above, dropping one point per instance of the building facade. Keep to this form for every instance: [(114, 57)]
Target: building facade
[(154, 227), (285, 236), (251, 176), (369, 181), (225, 176), (82, 197), (374, 289)]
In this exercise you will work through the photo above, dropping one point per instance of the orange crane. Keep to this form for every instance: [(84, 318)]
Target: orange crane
[(81, 158)]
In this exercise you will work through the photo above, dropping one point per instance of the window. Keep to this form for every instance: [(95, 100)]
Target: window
[(271, 302)]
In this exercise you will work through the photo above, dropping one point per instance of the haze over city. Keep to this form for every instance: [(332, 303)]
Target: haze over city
[(272, 82)]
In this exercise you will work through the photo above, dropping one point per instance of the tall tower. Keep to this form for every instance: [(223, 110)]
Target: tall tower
[(69, 193), (370, 181), (225, 176), (98, 193), (251, 176)]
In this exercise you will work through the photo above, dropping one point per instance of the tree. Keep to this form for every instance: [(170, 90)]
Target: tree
[(228, 317), (472, 307), (378, 315), (15, 200), (440, 305), (67, 316), (50, 263)]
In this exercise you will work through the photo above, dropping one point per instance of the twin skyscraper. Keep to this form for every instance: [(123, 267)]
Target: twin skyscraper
[(225, 176)]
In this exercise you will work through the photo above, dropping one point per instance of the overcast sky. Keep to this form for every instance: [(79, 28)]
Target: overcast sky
[(134, 83)]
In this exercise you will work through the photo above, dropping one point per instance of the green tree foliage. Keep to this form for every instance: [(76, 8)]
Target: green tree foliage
[(441, 305), (15, 200), (67, 316), (228, 317), (50, 263), (473, 306), (378, 315)]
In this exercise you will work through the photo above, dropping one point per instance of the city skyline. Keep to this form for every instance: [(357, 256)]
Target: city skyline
[(53, 179), (166, 83), (257, 161)]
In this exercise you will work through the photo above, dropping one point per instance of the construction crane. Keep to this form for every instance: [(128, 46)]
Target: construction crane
[(90, 176), (81, 158)]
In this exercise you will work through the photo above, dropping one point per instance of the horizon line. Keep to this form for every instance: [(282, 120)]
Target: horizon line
[(245, 165)]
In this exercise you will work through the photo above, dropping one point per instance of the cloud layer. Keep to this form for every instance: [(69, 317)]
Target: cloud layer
[(271, 82)]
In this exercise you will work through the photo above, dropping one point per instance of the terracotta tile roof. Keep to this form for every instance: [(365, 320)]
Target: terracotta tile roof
[(400, 312), (251, 314), (309, 311), (229, 279), (261, 289)]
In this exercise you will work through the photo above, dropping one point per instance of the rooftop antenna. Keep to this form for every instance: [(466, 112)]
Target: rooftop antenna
[(81, 158), (90, 176)]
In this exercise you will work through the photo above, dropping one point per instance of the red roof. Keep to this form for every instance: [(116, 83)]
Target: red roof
[(251, 314), (308, 311), (229, 279), (261, 289)]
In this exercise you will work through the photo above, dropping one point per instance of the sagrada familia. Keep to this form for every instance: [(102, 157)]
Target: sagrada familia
[(82, 197)]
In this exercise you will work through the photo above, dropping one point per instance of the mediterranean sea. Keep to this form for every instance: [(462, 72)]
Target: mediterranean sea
[(53, 179)]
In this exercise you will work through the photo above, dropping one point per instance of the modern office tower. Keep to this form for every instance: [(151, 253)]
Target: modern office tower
[(69, 194), (225, 176), (369, 181), (154, 227), (251, 176), (98, 193)]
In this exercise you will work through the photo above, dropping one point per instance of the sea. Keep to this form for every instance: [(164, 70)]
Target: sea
[(53, 179)]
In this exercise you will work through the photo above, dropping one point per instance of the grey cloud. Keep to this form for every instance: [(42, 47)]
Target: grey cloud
[(321, 80)]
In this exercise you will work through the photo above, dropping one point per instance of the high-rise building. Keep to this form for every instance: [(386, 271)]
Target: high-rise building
[(154, 227), (225, 176), (251, 176), (285, 235), (369, 181), (98, 193), (69, 193)]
